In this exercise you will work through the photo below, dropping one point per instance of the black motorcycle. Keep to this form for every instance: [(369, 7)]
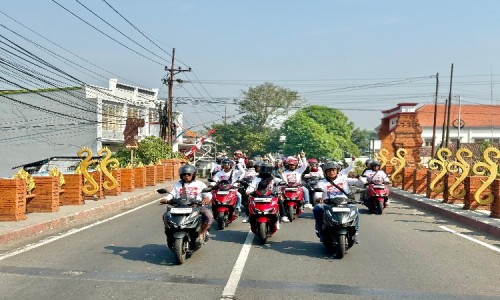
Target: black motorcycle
[(339, 225), (310, 182), (182, 226)]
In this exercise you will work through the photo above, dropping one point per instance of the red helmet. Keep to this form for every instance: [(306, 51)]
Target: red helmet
[(238, 153), (292, 161), (313, 163)]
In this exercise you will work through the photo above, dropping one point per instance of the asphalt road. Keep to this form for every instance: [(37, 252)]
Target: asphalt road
[(404, 253)]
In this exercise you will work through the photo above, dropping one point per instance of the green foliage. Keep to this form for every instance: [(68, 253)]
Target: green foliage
[(320, 131), (150, 150), (239, 136), (264, 103), (361, 138)]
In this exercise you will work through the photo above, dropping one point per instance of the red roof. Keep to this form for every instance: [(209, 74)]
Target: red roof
[(472, 115), (189, 133)]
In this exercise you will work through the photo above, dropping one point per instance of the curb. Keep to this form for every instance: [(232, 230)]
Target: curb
[(473, 219), (75, 217)]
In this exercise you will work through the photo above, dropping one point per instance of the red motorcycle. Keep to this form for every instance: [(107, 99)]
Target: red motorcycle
[(224, 199), (378, 195), (293, 198), (264, 213)]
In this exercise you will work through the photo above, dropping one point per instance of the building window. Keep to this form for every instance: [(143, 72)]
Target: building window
[(428, 142), (111, 117), (133, 112)]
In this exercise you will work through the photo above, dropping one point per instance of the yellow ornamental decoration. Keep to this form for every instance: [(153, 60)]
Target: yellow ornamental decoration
[(462, 167), (140, 165), (381, 156), (110, 183), (439, 164), (129, 166), (480, 169), (55, 172), (30, 182), (90, 187), (399, 162)]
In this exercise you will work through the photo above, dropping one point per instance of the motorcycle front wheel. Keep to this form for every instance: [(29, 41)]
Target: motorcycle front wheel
[(262, 232), (291, 210), (380, 207), (220, 221), (180, 249), (341, 246)]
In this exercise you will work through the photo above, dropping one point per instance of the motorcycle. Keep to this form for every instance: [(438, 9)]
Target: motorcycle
[(264, 213), (224, 199), (182, 226), (293, 198), (310, 182), (378, 195), (339, 225)]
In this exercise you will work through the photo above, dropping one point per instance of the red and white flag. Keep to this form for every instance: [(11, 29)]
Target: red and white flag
[(198, 144)]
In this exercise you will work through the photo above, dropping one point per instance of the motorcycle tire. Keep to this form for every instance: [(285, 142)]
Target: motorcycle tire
[(180, 250), (380, 207), (291, 211), (262, 232), (341, 246), (221, 223)]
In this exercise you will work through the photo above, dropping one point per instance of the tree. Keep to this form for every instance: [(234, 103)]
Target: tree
[(264, 103), (320, 131), (361, 138), (150, 150)]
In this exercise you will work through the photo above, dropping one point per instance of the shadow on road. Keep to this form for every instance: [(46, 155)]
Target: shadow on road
[(296, 247), (151, 253)]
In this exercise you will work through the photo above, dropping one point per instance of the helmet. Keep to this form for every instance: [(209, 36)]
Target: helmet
[(278, 162), (266, 169), (368, 162), (331, 165), (188, 169), (374, 163), (291, 161), (312, 161), (226, 162), (238, 153), (250, 164)]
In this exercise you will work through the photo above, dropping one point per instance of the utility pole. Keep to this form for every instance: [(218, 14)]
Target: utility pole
[(435, 116), (167, 122), (449, 111)]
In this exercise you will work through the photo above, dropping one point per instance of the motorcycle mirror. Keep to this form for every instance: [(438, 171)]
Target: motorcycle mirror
[(318, 190), (162, 191), (206, 190), (210, 180), (282, 183)]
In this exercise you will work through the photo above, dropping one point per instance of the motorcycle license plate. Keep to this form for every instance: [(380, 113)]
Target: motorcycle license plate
[(379, 187), (341, 209), (262, 200), (181, 210), (291, 189), (222, 192)]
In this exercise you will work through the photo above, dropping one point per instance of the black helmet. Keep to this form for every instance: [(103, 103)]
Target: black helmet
[(266, 169), (250, 164), (188, 169), (330, 165), (375, 163), (227, 162), (368, 162)]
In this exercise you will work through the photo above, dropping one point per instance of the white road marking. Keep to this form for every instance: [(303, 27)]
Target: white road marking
[(68, 233), (234, 278), (471, 239)]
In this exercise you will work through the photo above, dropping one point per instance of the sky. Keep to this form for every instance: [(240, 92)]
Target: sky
[(358, 56)]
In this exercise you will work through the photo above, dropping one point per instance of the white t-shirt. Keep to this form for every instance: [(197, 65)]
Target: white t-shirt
[(192, 190), (377, 177), (295, 175), (330, 191), (223, 175)]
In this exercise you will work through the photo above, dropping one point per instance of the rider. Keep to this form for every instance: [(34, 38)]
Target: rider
[(377, 176), (266, 179), (313, 170), (239, 158), (216, 166), (250, 175), (368, 166), (278, 168), (231, 175), (293, 175), (189, 186), (332, 177)]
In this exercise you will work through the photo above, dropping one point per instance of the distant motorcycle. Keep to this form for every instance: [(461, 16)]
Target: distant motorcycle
[(224, 199), (264, 213), (293, 199), (182, 226), (378, 195), (310, 183)]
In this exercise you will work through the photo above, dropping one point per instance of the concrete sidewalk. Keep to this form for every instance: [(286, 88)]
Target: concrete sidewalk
[(478, 219), (70, 215)]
